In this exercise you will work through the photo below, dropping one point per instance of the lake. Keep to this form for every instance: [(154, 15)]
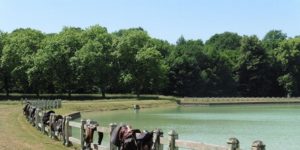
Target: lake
[(275, 125)]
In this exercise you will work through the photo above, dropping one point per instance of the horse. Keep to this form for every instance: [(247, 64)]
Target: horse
[(126, 138)]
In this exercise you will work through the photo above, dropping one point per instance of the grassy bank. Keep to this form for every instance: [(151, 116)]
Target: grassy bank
[(108, 105), (17, 134)]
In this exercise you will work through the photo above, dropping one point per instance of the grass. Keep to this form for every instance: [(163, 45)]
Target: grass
[(18, 134), (108, 105)]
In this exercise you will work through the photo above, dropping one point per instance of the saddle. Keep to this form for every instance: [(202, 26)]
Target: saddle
[(46, 117), (90, 128), (127, 138)]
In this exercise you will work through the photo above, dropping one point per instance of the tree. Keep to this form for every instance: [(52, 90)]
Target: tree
[(224, 41), (253, 68), (70, 41), (186, 63), (289, 83), (218, 76), (131, 47), (16, 58), (2, 43), (41, 74), (288, 55), (272, 39), (151, 71), (164, 47), (93, 61)]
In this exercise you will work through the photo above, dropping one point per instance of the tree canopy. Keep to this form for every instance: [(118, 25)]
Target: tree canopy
[(90, 60)]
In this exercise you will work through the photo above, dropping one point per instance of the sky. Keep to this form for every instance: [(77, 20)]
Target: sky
[(163, 19)]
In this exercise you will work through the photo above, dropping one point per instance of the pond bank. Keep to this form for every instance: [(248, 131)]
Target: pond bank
[(110, 105), (236, 101)]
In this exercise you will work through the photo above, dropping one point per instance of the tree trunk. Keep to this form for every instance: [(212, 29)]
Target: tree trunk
[(38, 93), (6, 86), (138, 91), (138, 94), (69, 93), (103, 92), (7, 92)]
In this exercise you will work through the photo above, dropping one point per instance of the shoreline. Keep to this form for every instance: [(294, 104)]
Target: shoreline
[(237, 103)]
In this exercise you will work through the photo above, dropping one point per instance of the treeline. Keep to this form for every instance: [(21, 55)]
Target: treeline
[(92, 60)]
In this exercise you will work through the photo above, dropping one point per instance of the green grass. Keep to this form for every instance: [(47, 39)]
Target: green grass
[(108, 105)]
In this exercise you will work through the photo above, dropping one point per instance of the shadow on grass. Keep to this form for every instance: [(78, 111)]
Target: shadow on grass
[(17, 96)]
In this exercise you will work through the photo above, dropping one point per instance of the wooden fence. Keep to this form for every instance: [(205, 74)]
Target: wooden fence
[(44, 104), (171, 140)]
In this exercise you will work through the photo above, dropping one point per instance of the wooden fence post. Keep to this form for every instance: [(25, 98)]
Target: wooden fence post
[(59, 103), (233, 144), (37, 117), (82, 133), (44, 104), (156, 140), (51, 121), (42, 123), (172, 137), (67, 131), (258, 145), (55, 104), (112, 146)]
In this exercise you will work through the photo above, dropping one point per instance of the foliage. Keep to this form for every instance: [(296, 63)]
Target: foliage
[(17, 57), (253, 68), (288, 55), (91, 60)]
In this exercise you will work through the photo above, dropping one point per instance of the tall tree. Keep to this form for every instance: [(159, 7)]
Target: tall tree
[(17, 56), (272, 39), (186, 64), (2, 43), (253, 68), (70, 40), (288, 55), (93, 61), (224, 41), (131, 50)]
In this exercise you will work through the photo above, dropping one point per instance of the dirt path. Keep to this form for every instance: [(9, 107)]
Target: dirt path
[(17, 134)]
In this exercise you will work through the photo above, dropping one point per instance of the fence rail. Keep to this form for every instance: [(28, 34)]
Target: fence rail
[(43, 104), (171, 141)]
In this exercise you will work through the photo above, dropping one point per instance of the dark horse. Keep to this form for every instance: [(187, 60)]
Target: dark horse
[(126, 138)]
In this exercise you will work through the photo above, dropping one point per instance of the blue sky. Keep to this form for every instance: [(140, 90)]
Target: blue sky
[(163, 19)]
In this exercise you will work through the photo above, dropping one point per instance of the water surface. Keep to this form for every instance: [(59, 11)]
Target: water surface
[(275, 125)]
